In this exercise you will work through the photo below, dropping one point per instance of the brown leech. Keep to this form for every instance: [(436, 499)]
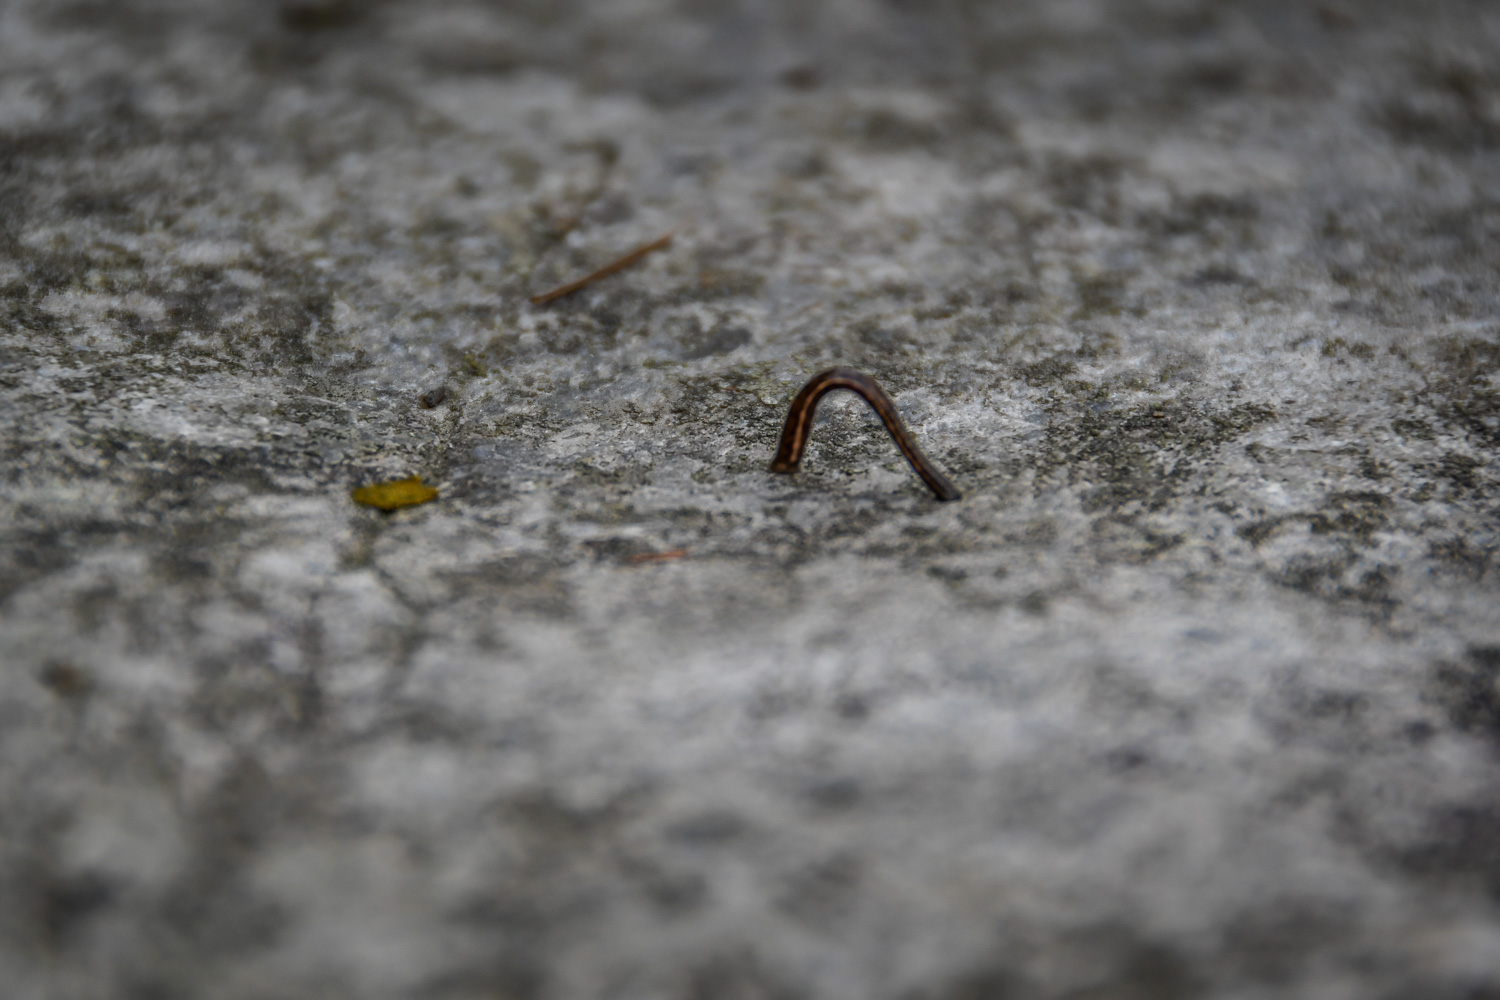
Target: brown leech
[(799, 426), (605, 271)]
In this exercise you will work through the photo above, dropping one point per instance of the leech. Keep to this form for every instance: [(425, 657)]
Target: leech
[(605, 271), (800, 418)]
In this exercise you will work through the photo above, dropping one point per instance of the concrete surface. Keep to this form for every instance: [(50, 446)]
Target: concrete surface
[(1193, 694)]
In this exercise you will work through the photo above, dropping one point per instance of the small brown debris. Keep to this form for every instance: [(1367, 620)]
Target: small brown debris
[(638, 558), (65, 680), (605, 271), (801, 77), (395, 494), (325, 16), (1335, 18), (433, 397)]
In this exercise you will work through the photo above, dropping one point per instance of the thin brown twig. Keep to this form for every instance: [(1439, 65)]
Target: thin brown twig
[(806, 309), (605, 271), (651, 557)]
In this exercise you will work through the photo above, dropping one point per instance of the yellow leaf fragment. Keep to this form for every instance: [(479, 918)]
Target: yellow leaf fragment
[(395, 494)]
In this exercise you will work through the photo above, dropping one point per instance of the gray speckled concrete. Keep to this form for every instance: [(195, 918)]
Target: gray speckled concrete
[(1193, 694)]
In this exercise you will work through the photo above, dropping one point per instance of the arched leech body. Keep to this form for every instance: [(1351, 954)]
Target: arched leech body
[(799, 426)]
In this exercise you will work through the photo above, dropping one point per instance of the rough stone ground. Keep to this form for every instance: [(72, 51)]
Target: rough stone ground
[(1193, 694)]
